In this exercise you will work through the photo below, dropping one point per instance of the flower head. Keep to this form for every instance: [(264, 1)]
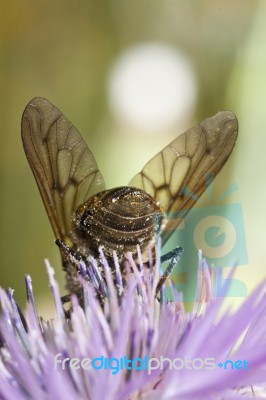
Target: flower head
[(133, 345)]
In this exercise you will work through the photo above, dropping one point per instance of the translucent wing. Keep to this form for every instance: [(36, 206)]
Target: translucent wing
[(180, 173), (64, 168)]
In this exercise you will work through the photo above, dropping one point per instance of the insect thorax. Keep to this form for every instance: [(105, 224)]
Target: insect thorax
[(117, 219)]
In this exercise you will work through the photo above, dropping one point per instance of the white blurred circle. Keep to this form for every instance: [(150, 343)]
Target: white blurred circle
[(226, 228), (152, 87)]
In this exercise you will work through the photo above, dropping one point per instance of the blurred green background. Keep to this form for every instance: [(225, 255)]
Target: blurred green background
[(69, 52)]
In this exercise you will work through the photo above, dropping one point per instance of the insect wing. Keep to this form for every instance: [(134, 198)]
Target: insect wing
[(64, 168), (180, 173)]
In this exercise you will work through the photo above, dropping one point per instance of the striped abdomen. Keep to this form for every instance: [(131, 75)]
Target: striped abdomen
[(117, 219)]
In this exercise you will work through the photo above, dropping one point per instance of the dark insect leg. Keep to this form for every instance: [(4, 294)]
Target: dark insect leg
[(72, 260), (74, 257), (76, 264), (173, 256), (66, 298)]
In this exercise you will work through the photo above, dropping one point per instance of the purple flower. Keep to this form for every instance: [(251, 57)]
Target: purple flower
[(131, 345)]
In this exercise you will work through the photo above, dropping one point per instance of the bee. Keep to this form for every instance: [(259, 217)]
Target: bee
[(84, 215)]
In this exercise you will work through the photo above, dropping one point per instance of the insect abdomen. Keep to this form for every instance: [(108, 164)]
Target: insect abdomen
[(117, 219)]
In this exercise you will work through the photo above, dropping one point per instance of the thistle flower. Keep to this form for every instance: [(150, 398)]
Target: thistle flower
[(129, 344)]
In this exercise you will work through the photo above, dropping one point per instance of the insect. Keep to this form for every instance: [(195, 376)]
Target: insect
[(84, 215)]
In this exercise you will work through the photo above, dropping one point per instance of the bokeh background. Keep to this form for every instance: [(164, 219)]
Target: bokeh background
[(130, 75)]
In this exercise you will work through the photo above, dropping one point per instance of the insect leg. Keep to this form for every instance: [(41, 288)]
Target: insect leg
[(75, 263), (74, 257), (71, 262), (173, 256)]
